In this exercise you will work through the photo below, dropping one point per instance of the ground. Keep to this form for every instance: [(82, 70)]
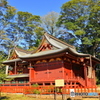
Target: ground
[(23, 97)]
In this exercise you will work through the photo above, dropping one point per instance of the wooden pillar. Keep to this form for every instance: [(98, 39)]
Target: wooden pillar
[(15, 67), (31, 72), (47, 71), (94, 77), (71, 70), (91, 67), (85, 75), (7, 66), (43, 84), (63, 69)]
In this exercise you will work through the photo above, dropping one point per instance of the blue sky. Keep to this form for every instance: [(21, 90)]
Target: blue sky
[(38, 7)]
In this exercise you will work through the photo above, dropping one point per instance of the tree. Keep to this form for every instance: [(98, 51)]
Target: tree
[(3, 23), (25, 26), (81, 18), (3, 57), (49, 23), (18, 28), (21, 31), (7, 14)]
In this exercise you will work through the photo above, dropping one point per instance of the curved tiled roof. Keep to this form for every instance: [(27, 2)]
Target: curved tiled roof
[(13, 60), (56, 42), (18, 76), (50, 52), (59, 45)]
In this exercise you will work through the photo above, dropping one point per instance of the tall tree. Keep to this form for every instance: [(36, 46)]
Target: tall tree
[(3, 23), (49, 23), (82, 19), (7, 14), (3, 57), (25, 26), (22, 31), (18, 28)]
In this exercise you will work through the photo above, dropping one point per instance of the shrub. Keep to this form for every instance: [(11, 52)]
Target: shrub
[(36, 91)]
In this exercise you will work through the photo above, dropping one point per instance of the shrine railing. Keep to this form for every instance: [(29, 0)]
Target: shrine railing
[(46, 90), (15, 84)]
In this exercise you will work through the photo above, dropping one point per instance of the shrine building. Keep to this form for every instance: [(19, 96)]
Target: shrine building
[(52, 60)]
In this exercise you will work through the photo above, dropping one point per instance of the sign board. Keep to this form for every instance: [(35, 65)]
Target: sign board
[(59, 82), (72, 93)]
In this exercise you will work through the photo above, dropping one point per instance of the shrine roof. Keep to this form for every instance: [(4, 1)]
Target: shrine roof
[(23, 51), (56, 46), (18, 75), (43, 53), (13, 60), (49, 52), (55, 42)]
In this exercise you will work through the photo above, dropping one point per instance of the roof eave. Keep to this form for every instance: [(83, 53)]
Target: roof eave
[(11, 61)]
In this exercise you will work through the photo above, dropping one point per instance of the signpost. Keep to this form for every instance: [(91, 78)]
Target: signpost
[(59, 83)]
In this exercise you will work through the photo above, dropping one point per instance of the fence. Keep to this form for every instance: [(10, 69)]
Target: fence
[(45, 90)]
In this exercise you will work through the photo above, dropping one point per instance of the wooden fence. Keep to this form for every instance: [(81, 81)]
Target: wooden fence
[(45, 90)]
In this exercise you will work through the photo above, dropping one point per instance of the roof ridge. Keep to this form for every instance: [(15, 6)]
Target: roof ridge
[(46, 34), (22, 50)]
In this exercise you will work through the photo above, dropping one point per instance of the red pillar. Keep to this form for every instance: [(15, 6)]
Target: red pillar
[(85, 75), (94, 77), (31, 72), (63, 70)]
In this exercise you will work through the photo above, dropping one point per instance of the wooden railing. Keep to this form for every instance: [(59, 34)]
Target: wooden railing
[(81, 81), (45, 90), (15, 84)]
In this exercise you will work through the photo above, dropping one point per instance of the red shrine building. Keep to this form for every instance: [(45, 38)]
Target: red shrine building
[(52, 60)]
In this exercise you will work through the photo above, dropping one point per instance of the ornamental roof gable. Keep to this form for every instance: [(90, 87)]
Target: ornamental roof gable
[(51, 43)]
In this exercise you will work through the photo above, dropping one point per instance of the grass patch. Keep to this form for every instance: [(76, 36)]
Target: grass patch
[(5, 96), (9, 96)]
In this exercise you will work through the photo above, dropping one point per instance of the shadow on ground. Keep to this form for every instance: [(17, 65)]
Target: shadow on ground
[(4, 97)]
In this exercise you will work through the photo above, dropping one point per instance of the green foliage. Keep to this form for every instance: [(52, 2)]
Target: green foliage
[(71, 26), (18, 28), (3, 57), (59, 90), (81, 18), (35, 91), (2, 77), (48, 23), (2, 67), (35, 85), (7, 13), (79, 32), (98, 81), (86, 41), (28, 26)]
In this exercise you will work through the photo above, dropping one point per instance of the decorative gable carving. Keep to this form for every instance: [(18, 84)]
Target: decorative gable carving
[(45, 46), (13, 56)]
